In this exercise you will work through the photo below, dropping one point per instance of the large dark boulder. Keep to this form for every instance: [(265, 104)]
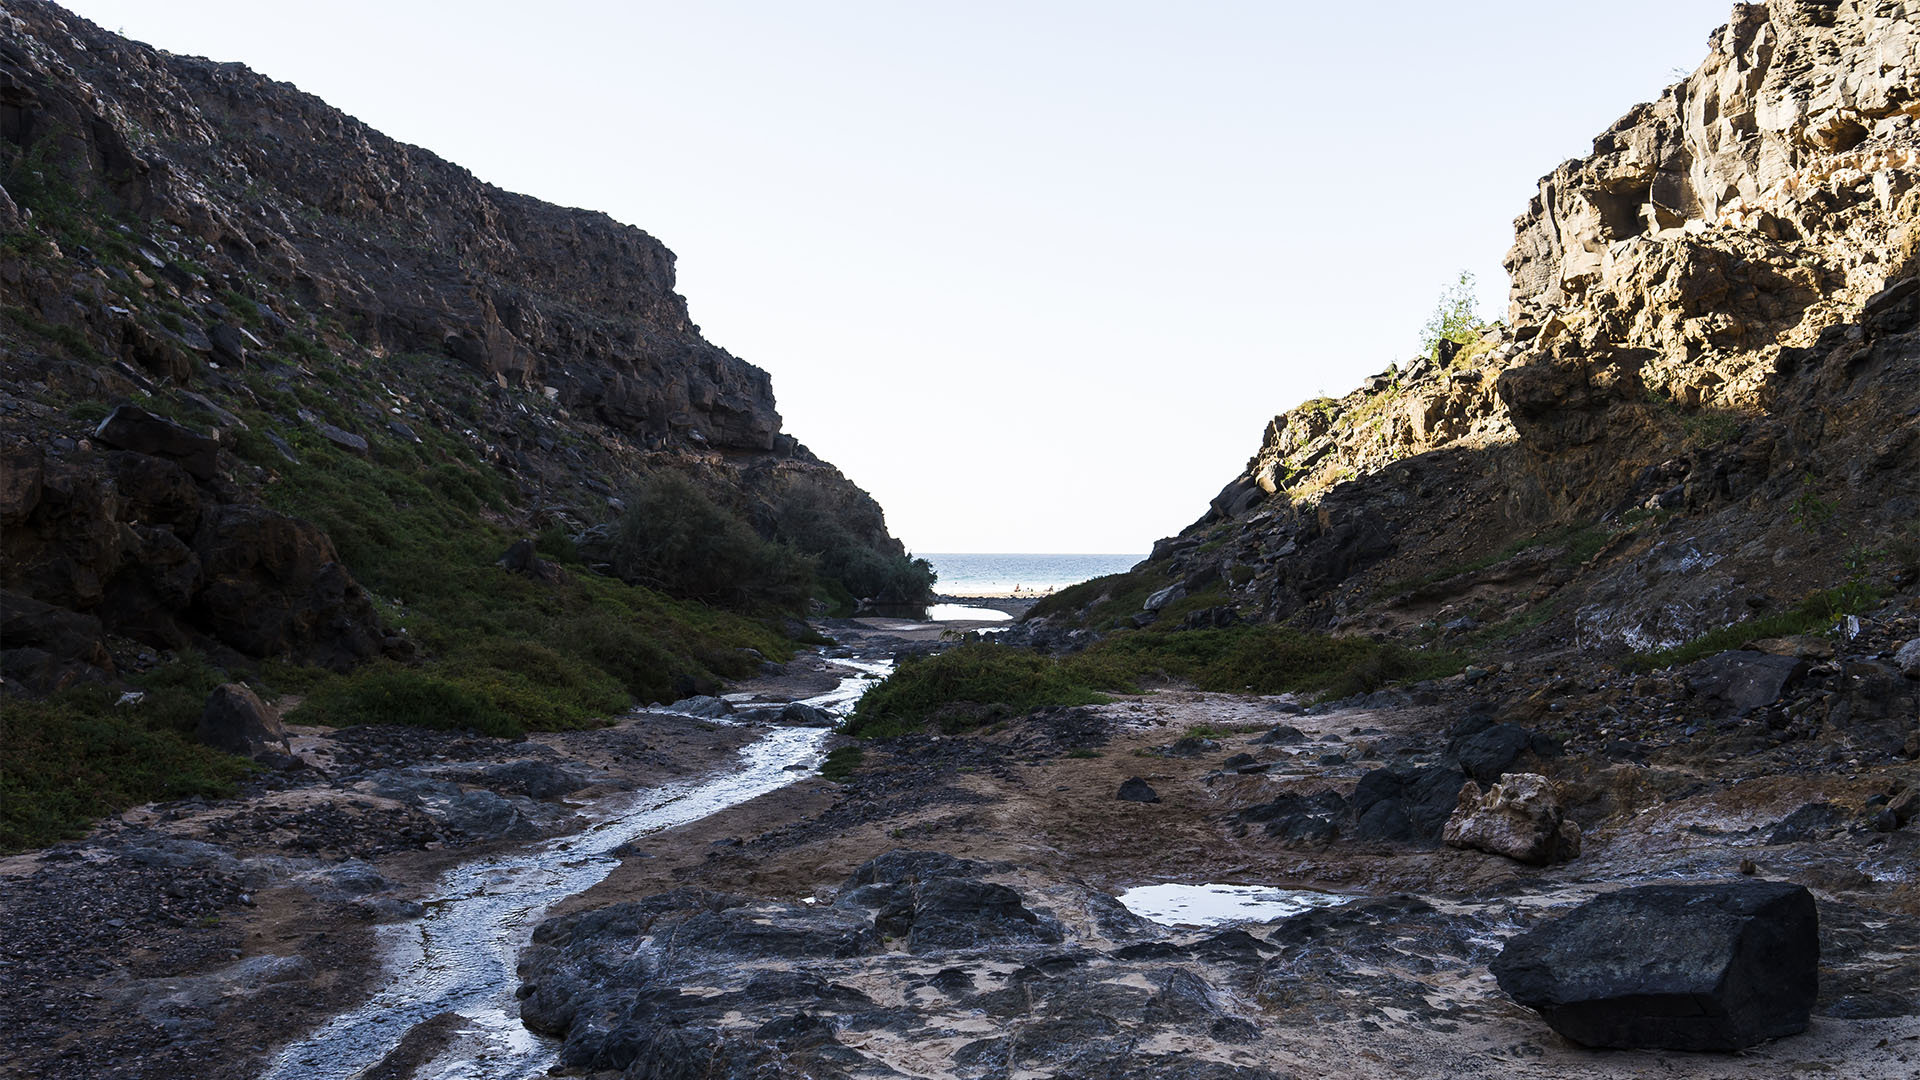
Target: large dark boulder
[(961, 913), (1405, 804), (1672, 967), (237, 721), (132, 428), (1487, 751), (1741, 680), (45, 648)]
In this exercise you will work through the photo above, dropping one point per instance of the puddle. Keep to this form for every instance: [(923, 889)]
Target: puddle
[(460, 956), (965, 613), (1219, 905)]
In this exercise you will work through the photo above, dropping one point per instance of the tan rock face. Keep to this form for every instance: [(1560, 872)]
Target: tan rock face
[(1520, 817)]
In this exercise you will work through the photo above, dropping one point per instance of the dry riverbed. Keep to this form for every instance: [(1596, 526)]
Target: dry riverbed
[(1393, 982), (193, 939)]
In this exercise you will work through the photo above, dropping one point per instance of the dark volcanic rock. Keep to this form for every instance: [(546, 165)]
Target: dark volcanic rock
[(1405, 804), (237, 721), (1486, 750), (1672, 967), (1134, 789), (1744, 680), (132, 428)]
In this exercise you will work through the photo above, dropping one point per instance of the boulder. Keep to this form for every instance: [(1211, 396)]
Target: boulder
[(229, 347), (131, 428), (1520, 818), (704, 706), (237, 721), (1672, 967), (1487, 751), (1134, 789), (274, 587), (1284, 735), (522, 559), (958, 913), (47, 648), (1168, 595), (1405, 804), (1907, 659), (1742, 680), (800, 714)]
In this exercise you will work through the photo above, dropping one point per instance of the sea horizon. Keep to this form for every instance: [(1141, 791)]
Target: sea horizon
[(991, 573)]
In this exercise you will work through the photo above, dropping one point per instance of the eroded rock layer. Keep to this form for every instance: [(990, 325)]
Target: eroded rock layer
[(1705, 395)]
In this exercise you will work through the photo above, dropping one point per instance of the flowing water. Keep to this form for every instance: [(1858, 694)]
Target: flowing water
[(459, 957)]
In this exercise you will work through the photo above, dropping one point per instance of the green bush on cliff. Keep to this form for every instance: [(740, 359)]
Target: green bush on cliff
[(675, 537), (1455, 318), (844, 534)]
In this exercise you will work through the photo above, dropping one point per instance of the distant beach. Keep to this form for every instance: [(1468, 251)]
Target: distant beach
[(1026, 576)]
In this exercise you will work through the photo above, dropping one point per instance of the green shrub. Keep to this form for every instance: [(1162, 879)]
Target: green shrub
[(384, 693), (964, 687), (674, 537), (539, 688), (1455, 318), (845, 533), (74, 757)]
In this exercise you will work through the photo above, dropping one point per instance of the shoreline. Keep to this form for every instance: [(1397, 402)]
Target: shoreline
[(1015, 606)]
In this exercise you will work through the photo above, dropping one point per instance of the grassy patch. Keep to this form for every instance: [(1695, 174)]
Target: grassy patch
[(965, 687), (391, 694), (1104, 602), (1261, 660), (977, 683), (841, 763), (75, 757), (1816, 613), (411, 521)]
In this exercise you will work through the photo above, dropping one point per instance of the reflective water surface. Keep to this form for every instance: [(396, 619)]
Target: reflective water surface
[(1219, 905), (459, 957)]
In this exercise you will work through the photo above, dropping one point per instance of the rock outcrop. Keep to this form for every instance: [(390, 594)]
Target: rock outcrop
[(1703, 395), (227, 269)]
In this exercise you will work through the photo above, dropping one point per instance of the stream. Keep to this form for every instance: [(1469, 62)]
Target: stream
[(459, 957)]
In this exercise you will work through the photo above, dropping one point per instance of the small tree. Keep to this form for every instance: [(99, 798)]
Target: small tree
[(1454, 318)]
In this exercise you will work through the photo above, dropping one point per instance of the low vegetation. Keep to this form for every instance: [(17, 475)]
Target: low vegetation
[(1815, 613), (1455, 319), (82, 754), (978, 682)]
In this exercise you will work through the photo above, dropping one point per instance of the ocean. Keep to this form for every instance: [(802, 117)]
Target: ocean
[(975, 574)]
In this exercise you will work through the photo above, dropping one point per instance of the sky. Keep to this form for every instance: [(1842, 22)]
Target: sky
[(1035, 274)]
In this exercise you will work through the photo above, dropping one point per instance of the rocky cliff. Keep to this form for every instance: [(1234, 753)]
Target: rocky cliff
[(270, 284), (1704, 401)]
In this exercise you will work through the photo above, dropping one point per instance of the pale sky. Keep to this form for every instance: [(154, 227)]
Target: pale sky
[(1034, 274)]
